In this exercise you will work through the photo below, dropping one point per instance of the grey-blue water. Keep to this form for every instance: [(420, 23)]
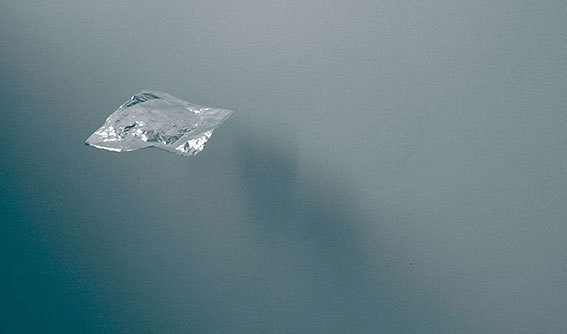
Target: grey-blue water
[(393, 167)]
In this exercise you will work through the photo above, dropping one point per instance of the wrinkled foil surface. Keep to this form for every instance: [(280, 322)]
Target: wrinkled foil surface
[(156, 119)]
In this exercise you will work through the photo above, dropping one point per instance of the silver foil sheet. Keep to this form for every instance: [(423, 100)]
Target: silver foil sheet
[(156, 119)]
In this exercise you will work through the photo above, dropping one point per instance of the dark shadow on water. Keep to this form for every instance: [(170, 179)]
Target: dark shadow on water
[(346, 281)]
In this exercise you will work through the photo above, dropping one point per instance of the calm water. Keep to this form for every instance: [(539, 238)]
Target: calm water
[(394, 167)]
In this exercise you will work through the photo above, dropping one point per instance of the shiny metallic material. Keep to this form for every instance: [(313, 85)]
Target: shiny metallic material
[(155, 119)]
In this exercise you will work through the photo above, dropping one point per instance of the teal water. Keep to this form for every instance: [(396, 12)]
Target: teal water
[(393, 167)]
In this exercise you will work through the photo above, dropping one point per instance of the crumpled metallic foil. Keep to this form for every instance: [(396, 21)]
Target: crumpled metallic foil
[(156, 119)]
